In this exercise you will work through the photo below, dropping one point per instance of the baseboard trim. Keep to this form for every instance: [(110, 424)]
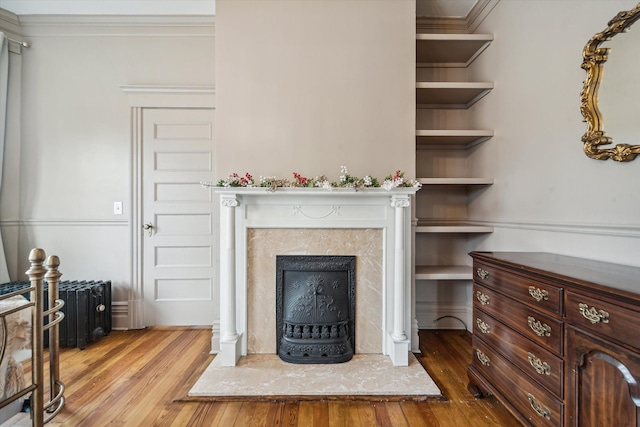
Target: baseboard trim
[(435, 315), (120, 316)]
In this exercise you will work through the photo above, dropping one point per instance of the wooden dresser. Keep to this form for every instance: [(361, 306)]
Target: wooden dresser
[(557, 339)]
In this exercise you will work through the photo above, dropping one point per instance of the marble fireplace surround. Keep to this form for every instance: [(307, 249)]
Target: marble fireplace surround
[(373, 224), (263, 244)]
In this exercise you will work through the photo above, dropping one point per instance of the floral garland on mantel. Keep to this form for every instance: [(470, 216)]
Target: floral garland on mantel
[(271, 183)]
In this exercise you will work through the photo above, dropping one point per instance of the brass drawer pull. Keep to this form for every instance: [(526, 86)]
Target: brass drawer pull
[(593, 315), (483, 298), (484, 328), (540, 366), (540, 409), (541, 329), (538, 294), (483, 274), (483, 358)]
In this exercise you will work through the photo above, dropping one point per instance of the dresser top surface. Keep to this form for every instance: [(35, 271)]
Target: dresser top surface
[(582, 271)]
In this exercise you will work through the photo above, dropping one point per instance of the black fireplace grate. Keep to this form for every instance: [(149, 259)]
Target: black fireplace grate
[(315, 308)]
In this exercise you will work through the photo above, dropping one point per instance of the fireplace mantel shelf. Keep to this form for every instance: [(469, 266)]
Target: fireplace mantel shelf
[(245, 208)]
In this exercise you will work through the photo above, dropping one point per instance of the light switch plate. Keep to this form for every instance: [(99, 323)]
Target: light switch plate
[(117, 208)]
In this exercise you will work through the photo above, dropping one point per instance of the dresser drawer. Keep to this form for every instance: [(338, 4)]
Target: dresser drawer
[(538, 327), (604, 318), (539, 295), (530, 399), (540, 364)]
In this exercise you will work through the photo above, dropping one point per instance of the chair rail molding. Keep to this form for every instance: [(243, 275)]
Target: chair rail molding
[(615, 230)]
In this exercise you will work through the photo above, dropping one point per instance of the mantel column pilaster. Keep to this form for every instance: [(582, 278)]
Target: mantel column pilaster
[(400, 344), (229, 337)]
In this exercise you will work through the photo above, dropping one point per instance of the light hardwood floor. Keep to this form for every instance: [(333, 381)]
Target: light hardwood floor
[(140, 378)]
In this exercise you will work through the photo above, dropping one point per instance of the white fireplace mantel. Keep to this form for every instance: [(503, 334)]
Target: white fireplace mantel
[(244, 208)]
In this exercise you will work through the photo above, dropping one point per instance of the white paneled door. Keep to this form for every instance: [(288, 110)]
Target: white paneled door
[(178, 224)]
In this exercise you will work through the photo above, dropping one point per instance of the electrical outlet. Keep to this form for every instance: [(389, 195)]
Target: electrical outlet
[(117, 208)]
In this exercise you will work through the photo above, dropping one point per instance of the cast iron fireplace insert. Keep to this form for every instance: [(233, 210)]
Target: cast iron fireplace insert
[(315, 308)]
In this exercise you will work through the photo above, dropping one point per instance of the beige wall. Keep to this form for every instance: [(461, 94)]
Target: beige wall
[(74, 157), (548, 195), (308, 86), (302, 86)]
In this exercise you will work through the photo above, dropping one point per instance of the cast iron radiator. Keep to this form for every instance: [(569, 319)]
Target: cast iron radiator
[(87, 310)]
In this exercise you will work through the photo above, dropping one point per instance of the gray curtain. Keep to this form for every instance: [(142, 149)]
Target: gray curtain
[(4, 89)]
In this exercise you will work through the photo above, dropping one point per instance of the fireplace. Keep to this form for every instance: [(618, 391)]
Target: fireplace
[(256, 224), (315, 308)]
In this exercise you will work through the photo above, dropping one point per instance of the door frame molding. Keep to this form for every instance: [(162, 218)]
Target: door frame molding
[(141, 98)]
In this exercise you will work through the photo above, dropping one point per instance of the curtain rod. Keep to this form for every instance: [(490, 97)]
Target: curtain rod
[(21, 43)]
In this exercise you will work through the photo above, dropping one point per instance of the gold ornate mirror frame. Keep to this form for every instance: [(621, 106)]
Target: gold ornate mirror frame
[(594, 58)]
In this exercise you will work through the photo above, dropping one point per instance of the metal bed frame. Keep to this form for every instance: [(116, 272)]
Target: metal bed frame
[(41, 320)]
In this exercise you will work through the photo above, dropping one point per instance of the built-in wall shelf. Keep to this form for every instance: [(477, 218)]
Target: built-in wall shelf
[(443, 233), (451, 227), (449, 50), (455, 181), (443, 272), (430, 138), (445, 95)]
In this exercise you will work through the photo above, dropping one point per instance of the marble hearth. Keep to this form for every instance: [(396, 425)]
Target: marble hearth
[(372, 224)]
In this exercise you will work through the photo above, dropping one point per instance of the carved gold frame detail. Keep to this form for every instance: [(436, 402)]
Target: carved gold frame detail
[(594, 58)]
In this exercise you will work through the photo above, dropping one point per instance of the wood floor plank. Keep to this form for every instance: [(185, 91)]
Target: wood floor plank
[(274, 415), (139, 378), (155, 375), (290, 413), (183, 416), (446, 415), (491, 412), (200, 415), (305, 414), (167, 415), (382, 415), (419, 414), (186, 415), (104, 384), (77, 361), (472, 414), (214, 416), (367, 414), (320, 414), (337, 417), (191, 371), (228, 416), (450, 362), (352, 415), (261, 413), (245, 415), (396, 415)]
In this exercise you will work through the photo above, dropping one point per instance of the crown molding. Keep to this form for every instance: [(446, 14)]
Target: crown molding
[(10, 26), (130, 25), (467, 24), (110, 7), (9, 23), (118, 20), (479, 13)]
